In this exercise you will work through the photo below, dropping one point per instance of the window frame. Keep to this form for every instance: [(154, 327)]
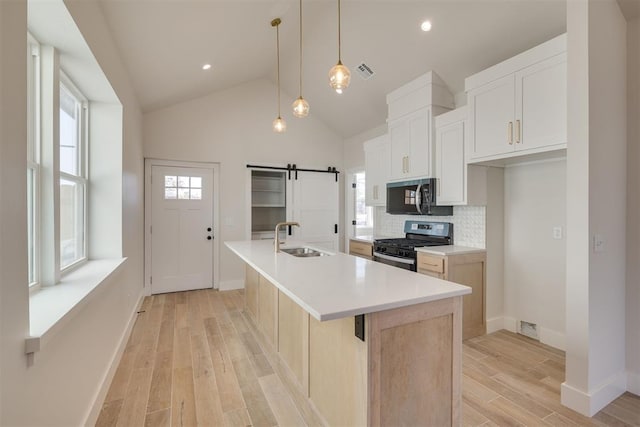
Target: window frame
[(82, 178), (33, 161)]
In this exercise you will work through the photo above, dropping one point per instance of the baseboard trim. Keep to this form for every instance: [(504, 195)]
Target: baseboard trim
[(229, 285), (94, 412), (589, 404), (495, 324), (633, 383)]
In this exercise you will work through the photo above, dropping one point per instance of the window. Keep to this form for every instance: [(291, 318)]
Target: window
[(33, 158), (182, 187), (73, 183), (363, 213), (63, 188)]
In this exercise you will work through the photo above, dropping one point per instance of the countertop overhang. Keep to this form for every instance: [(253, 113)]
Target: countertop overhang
[(341, 285)]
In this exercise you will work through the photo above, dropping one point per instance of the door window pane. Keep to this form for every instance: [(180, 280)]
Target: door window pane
[(71, 222), (182, 187)]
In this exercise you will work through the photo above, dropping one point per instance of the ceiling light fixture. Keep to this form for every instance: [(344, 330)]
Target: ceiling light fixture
[(279, 125), (339, 75), (300, 105), (425, 26), (206, 66)]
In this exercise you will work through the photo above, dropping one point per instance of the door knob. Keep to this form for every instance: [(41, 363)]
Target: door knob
[(209, 237), (208, 228)]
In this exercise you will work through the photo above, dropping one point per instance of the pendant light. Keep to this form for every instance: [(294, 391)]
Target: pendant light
[(339, 75), (279, 125), (300, 105)]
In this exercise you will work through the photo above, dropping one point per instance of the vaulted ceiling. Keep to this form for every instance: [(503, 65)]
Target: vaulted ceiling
[(164, 44)]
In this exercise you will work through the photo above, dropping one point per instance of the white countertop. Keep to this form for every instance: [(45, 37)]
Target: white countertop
[(341, 285), (450, 250)]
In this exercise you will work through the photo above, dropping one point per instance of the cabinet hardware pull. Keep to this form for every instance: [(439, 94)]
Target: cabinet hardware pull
[(517, 131), (510, 133)]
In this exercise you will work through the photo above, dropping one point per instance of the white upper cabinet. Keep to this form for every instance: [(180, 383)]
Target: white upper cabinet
[(519, 106), (377, 153), (410, 145), (410, 120), (457, 183)]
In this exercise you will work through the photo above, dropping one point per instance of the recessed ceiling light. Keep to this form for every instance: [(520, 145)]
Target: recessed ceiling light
[(206, 66), (426, 26)]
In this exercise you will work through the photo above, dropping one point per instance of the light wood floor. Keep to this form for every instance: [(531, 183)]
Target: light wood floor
[(193, 359)]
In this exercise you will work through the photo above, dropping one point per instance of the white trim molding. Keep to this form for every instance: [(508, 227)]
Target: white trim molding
[(633, 382), (229, 285), (589, 403), (98, 402)]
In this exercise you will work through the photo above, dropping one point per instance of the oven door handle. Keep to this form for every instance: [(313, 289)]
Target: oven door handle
[(393, 258)]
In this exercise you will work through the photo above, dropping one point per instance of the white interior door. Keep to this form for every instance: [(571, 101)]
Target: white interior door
[(315, 207), (181, 229)]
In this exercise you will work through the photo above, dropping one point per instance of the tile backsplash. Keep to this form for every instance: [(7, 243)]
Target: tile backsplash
[(468, 224)]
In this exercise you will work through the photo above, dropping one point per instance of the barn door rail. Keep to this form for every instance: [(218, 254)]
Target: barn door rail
[(292, 168)]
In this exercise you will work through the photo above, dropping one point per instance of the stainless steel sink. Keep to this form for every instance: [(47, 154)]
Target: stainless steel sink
[(303, 252)]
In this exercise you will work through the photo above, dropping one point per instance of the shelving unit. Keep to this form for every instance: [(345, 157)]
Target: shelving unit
[(268, 202)]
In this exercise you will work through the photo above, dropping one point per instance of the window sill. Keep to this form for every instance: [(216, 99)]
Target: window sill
[(51, 307)]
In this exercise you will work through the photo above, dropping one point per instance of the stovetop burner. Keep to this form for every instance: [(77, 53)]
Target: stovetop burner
[(418, 234), (408, 243)]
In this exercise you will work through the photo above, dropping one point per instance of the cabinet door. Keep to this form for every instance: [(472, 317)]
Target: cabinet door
[(491, 116), (541, 104), (399, 133), (377, 165), (419, 158), (450, 165), (251, 285)]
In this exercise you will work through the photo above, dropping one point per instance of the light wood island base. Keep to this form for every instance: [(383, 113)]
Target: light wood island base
[(406, 372)]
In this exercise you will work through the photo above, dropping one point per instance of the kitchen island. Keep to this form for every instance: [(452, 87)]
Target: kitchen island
[(366, 343)]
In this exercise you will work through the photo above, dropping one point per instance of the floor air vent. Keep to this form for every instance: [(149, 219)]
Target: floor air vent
[(529, 330), (364, 71)]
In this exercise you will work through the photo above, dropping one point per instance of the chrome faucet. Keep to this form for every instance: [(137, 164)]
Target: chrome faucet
[(277, 239)]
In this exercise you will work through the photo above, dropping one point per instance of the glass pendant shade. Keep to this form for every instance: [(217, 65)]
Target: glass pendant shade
[(300, 107), (279, 125), (339, 77)]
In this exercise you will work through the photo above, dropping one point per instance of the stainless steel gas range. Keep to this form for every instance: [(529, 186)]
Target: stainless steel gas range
[(401, 252)]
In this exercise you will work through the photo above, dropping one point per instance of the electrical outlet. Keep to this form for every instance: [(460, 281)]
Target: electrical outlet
[(557, 233), (598, 243)]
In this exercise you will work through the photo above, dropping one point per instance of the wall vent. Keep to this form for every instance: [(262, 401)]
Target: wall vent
[(529, 330), (364, 71)]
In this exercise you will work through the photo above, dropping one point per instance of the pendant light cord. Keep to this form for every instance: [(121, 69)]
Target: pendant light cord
[(300, 48), (339, 49), (278, 56)]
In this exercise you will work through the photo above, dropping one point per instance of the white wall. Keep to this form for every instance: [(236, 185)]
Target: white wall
[(633, 206), (534, 262), (596, 205), (61, 383), (233, 128), (13, 227), (354, 149)]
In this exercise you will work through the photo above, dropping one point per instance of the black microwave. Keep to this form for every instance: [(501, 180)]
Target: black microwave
[(417, 197)]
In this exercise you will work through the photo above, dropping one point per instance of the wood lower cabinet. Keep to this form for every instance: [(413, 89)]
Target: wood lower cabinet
[(251, 284), (361, 249), (468, 270), (407, 371), (268, 310)]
